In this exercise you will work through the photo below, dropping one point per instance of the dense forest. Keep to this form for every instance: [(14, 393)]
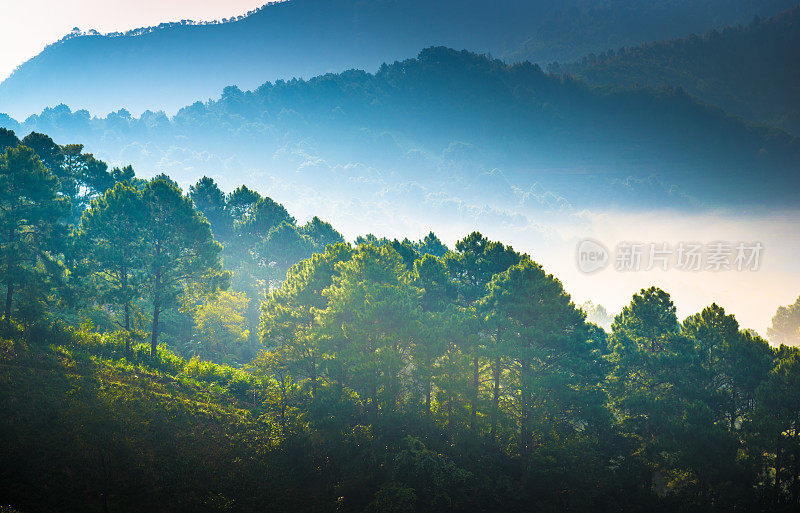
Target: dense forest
[(167, 67), (441, 118), (202, 351), (750, 71)]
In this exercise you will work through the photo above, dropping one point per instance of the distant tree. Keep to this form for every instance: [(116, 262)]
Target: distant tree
[(734, 362), (241, 202), (31, 235), (265, 215), (48, 151), (209, 199), (785, 327), (276, 361), (473, 264), (597, 314), (8, 139), (407, 250), (322, 234), (91, 175), (654, 382), (288, 315), (181, 252), (431, 275), (284, 245), (475, 261), (431, 245), (124, 174), (438, 295), (371, 239)]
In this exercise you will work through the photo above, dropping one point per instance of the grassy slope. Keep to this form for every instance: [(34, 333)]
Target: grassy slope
[(86, 432)]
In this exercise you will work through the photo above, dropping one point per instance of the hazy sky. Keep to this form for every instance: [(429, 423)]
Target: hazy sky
[(27, 27)]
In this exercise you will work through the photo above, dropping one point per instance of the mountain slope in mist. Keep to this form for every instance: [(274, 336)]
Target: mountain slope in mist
[(442, 120), (170, 66), (751, 71)]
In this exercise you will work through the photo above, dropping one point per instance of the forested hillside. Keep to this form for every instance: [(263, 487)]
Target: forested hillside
[(750, 70), (169, 66), (382, 376), (439, 118)]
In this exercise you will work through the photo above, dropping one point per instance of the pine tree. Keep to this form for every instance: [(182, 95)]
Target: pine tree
[(31, 236), (112, 242), (181, 253)]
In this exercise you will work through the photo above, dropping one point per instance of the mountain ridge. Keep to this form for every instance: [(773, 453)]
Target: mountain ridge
[(168, 67), (446, 117)]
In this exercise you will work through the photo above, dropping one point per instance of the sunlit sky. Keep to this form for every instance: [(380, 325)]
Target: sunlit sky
[(27, 27)]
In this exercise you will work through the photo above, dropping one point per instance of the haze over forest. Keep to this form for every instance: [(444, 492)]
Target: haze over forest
[(381, 256)]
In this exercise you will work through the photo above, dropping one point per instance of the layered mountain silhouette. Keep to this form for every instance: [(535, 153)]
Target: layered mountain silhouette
[(751, 70), (445, 118), (169, 66)]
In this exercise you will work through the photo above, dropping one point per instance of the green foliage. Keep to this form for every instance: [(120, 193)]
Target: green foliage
[(31, 211), (262, 217), (112, 240), (321, 233), (221, 327), (209, 199), (180, 253), (389, 376)]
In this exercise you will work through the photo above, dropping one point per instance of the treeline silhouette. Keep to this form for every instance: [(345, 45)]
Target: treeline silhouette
[(388, 375)]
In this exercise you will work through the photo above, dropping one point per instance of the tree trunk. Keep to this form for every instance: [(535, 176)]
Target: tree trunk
[(9, 299), (526, 400), (476, 384), (313, 378), (428, 398), (154, 335), (495, 395), (778, 472), (374, 398), (127, 329), (450, 415), (283, 406), (156, 311), (313, 361), (733, 409)]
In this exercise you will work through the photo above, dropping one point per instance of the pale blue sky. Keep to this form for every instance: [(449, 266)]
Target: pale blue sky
[(27, 27)]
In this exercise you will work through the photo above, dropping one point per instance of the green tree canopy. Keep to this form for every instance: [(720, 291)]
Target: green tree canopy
[(209, 199), (181, 253), (31, 235), (112, 240), (322, 234)]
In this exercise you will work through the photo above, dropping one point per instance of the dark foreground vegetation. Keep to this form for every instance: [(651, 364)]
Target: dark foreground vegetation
[(385, 376)]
